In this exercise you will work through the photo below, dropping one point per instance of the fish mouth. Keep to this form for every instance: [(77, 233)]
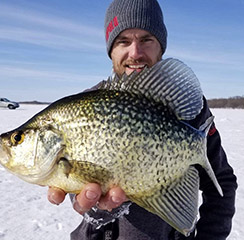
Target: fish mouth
[(4, 156)]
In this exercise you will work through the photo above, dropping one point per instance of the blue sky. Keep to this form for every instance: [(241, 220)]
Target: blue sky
[(53, 48)]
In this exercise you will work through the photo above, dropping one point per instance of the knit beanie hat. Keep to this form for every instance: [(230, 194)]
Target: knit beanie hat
[(142, 14)]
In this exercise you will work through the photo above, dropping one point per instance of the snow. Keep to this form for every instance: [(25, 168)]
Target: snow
[(25, 212), (230, 123)]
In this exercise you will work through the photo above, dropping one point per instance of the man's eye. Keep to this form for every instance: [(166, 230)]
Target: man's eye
[(147, 40), (122, 42)]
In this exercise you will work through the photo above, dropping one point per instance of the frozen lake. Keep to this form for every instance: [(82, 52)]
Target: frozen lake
[(27, 214)]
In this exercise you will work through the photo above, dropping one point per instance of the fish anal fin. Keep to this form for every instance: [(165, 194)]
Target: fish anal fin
[(177, 205)]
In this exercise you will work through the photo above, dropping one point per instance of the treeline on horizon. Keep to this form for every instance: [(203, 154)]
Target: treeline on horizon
[(232, 102)]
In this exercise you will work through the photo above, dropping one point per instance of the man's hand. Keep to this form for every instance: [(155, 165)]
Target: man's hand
[(90, 196)]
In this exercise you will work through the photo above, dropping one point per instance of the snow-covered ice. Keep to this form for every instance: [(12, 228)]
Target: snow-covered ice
[(230, 123), (25, 212)]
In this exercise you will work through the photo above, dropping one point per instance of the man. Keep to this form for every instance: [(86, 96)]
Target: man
[(136, 37)]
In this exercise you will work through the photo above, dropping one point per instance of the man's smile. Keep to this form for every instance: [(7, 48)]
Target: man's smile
[(135, 67)]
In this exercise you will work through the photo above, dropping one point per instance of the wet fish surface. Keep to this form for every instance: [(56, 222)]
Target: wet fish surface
[(129, 133)]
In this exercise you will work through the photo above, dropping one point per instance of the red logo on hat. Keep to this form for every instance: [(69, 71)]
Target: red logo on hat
[(114, 23)]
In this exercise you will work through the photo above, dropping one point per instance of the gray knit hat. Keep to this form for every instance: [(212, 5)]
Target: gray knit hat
[(143, 14)]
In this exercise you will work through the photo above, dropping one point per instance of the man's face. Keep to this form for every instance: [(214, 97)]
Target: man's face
[(133, 50)]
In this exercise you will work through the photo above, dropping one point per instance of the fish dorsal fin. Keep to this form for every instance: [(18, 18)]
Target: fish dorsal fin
[(169, 82), (177, 205)]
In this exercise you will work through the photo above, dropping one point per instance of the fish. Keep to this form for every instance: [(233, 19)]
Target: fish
[(131, 132)]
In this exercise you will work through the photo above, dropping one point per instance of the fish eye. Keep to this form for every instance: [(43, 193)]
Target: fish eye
[(17, 138)]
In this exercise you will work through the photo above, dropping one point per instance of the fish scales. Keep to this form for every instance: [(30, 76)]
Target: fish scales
[(121, 135), (128, 134)]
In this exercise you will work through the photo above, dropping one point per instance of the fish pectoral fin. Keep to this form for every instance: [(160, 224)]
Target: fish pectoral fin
[(178, 205), (65, 166), (89, 172)]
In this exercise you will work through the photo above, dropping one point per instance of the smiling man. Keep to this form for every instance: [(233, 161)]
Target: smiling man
[(136, 37), (133, 50)]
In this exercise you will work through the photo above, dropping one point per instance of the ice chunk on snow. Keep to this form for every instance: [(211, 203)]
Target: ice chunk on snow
[(100, 218)]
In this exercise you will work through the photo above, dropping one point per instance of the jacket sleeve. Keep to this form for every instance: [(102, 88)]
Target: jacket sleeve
[(216, 212)]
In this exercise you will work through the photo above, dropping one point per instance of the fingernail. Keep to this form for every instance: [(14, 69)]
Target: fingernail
[(116, 200), (52, 198), (91, 195)]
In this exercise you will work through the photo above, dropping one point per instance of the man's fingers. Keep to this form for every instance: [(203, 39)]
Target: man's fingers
[(56, 195), (113, 198), (87, 198)]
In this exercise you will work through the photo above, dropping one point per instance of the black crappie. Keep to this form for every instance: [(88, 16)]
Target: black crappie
[(129, 133)]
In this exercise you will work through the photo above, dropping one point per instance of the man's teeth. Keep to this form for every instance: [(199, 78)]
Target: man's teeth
[(137, 66)]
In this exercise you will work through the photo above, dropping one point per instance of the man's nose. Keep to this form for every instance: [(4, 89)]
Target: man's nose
[(135, 51)]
